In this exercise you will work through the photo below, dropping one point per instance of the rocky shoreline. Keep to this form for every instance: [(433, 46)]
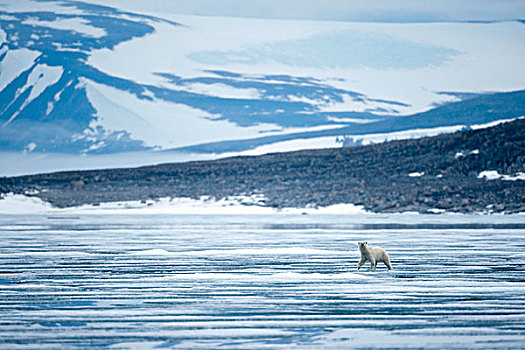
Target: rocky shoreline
[(434, 174)]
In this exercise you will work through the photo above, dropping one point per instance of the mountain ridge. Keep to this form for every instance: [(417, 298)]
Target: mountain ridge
[(440, 173)]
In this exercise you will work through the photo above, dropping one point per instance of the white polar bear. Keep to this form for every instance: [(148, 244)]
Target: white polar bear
[(374, 255)]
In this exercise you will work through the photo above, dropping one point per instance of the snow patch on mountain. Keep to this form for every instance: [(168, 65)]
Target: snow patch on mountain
[(416, 174), (494, 175), (30, 147), (349, 103), (14, 63), (222, 91), (350, 120), (40, 78), (161, 50), (40, 6), (78, 25), (338, 141), (161, 124)]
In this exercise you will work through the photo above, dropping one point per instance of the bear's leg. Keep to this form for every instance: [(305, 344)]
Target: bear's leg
[(373, 264), (361, 262), (387, 263)]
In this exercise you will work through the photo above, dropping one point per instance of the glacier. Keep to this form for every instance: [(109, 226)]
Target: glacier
[(81, 78)]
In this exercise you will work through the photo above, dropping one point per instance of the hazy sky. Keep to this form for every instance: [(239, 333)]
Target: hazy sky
[(345, 10)]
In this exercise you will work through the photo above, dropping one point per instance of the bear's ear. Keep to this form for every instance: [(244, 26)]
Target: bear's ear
[(366, 242)]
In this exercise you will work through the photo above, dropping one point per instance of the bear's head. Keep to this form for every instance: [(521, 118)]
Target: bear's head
[(362, 244)]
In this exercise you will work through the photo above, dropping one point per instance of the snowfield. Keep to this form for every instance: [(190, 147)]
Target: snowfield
[(167, 81), (372, 58), (75, 24)]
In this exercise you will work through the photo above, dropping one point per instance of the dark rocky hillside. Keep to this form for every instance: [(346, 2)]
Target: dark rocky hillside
[(375, 176)]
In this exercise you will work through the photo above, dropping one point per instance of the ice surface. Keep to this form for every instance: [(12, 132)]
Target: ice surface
[(230, 252), (260, 281)]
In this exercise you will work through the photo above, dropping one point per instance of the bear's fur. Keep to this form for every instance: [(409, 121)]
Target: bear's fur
[(374, 255)]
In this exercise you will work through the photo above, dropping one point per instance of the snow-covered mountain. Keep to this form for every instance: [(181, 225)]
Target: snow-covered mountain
[(80, 78)]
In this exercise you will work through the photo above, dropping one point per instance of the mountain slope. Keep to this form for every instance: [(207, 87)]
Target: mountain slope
[(482, 109), (82, 78), (446, 172)]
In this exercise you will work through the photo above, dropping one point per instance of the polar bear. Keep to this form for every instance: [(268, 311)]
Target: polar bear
[(374, 255)]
